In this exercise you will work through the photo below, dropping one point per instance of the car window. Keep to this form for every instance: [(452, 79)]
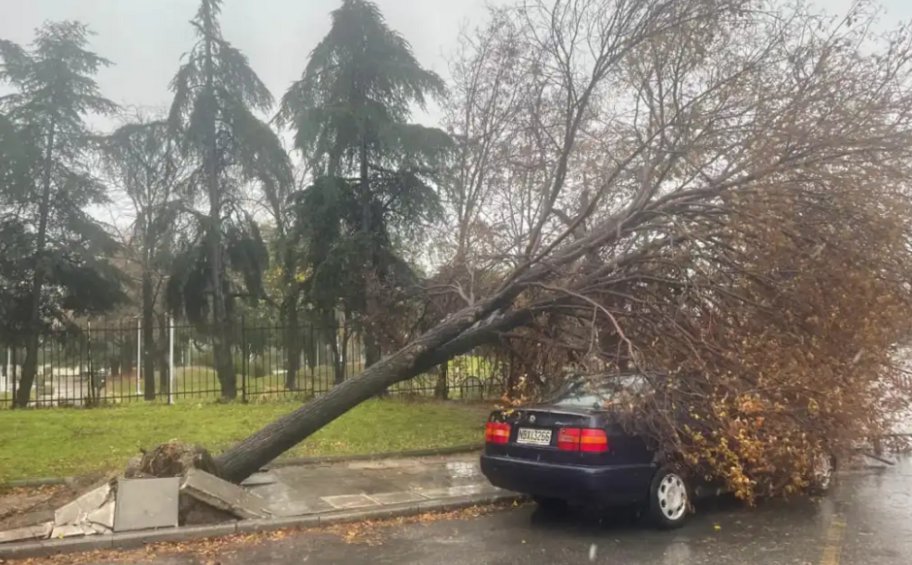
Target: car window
[(601, 393)]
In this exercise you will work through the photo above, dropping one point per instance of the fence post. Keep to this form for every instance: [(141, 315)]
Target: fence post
[(15, 374), (170, 360), (138, 356), (243, 360)]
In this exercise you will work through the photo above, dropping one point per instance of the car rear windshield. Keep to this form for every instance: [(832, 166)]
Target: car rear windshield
[(598, 394)]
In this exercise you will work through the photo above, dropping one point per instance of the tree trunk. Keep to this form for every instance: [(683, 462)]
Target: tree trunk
[(30, 367), (442, 388), (372, 353), (289, 313), (371, 348), (292, 344), (224, 366), (29, 370), (341, 359), (311, 342), (435, 346), (148, 337)]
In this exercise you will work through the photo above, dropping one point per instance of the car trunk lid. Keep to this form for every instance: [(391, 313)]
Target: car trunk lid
[(534, 433)]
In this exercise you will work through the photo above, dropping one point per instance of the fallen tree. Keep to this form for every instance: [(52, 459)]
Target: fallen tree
[(714, 190)]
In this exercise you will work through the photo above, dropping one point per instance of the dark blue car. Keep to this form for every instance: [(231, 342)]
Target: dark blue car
[(572, 450)]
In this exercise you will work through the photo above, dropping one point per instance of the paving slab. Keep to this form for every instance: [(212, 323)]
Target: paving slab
[(146, 504), (72, 531), (287, 509), (310, 489), (76, 511), (40, 531), (347, 501), (397, 497), (223, 495), (461, 490), (103, 516)]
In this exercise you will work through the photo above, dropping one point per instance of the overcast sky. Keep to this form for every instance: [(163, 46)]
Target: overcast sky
[(145, 38)]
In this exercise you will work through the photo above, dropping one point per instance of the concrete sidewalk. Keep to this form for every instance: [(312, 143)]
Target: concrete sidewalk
[(313, 489), (317, 494)]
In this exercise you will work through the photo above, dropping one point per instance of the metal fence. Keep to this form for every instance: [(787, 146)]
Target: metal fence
[(104, 364)]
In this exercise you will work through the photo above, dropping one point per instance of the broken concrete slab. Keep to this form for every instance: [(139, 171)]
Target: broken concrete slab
[(221, 494), (76, 511), (103, 516), (99, 529), (72, 530), (146, 503), (40, 531)]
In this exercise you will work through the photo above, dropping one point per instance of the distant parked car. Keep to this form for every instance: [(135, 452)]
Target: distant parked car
[(571, 450)]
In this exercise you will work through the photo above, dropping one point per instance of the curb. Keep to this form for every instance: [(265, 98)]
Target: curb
[(131, 540), (291, 462), (41, 482)]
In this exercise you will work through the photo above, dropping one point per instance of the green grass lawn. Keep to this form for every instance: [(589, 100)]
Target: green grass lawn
[(63, 442)]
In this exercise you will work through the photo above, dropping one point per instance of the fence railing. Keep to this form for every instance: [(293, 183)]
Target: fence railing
[(106, 364)]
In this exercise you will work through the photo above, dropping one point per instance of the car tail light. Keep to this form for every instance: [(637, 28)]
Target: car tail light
[(589, 440), (497, 432), (593, 440), (568, 439)]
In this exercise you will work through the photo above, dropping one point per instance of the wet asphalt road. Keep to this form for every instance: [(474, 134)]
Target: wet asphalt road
[(867, 520)]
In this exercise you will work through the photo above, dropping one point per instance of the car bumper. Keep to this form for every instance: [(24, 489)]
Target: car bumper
[(607, 485)]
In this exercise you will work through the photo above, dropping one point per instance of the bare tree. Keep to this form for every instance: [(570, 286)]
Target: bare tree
[(143, 161)]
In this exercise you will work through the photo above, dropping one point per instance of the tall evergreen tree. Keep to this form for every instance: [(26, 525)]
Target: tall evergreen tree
[(64, 250), (350, 114), (216, 96)]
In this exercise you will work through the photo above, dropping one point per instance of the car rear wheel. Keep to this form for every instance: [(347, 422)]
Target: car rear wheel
[(669, 499), (550, 505)]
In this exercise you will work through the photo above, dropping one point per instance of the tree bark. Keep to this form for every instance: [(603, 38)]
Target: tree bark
[(148, 336), (292, 343), (30, 367), (371, 348), (224, 366), (442, 388)]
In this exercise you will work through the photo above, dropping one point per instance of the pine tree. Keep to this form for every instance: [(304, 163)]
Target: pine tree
[(64, 250), (216, 97), (349, 112)]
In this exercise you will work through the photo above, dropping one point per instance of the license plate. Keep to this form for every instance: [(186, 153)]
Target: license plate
[(532, 436)]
